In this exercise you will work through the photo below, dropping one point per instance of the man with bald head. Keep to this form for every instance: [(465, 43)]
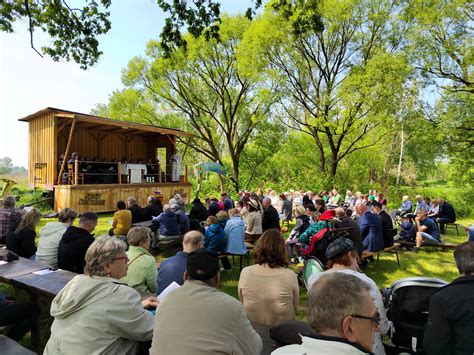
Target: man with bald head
[(173, 269), (371, 229), (270, 218), (344, 221)]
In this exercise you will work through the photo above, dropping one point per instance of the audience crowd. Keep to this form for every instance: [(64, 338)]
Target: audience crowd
[(102, 309)]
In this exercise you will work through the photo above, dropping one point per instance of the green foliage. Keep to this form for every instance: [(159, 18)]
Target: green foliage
[(6, 165), (73, 31)]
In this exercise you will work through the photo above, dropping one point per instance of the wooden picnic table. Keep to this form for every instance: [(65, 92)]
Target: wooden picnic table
[(19, 267), (20, 274), (47, 285)]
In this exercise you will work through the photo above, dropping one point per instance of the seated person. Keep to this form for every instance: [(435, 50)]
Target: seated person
[(95, 313), (446, 214), (370, 228), (407, 230), (342, 257), (312, 213), (320, 206), (214, 239), (22, 240), (344, 221), (451, 313), (434, 210), (50, 236), (426, 229), (141, 274), (122, 220), (387, 224), (302, 223), (314, 228), (10, 217), (343, 315), (183, 219), (199, 319), (406, 206), (420, 204), (138, 215), (269, 290), (153, 208), (75, 242), (270, 217), (19, 317), (234, 232), (253, 221), (168, 224), (172, 269), (198, 211)]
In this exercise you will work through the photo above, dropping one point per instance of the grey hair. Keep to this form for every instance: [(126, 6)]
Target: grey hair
[(136, 235), (132, 200), (332, 298), (9, 201), (102, 251), (464, 258), (193, 238)]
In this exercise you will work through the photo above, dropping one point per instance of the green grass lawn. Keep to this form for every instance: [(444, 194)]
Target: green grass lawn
[(429, 262)]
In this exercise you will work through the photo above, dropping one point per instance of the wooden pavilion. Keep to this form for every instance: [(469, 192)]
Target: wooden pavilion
[(54, 134)]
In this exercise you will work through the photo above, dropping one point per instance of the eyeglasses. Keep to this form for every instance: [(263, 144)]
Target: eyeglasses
[(121, 258), (375, 318)]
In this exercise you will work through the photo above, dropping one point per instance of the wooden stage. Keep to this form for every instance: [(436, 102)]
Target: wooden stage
[(104, 197)]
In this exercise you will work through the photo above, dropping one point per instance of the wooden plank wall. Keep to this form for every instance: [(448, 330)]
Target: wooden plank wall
[(103, 198), (42, 150)]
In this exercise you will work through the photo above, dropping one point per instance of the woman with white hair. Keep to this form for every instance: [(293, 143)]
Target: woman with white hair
[(95, 313)]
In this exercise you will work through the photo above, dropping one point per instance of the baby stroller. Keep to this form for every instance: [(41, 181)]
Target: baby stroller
[(408, 306)]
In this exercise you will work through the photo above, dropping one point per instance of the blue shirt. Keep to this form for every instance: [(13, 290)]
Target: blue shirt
[(170, 270), (432, 228), (214, 239), (406, 206)]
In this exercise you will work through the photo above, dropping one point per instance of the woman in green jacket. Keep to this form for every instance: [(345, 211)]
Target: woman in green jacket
[(142, 268)]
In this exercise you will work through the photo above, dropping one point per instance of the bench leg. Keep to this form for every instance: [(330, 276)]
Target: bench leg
[(457, 230), (241, 256), (398, 260), (378, 256)]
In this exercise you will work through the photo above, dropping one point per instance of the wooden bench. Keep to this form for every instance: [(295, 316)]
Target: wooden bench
[(444, 246), (10, 346), (452, 225), (391, 250)]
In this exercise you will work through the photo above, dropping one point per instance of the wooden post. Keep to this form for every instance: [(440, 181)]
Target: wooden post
[(185, 173), (159, 171), (66, 153), (119, 172), (76, 171)]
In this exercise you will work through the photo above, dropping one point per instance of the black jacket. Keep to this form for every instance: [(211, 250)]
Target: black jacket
[(270, 219), (447, 211), (198, 212), (138, 214), (72, 249), (22, 243), (150, 211), (450, 327), (354, 232), (387, 226)]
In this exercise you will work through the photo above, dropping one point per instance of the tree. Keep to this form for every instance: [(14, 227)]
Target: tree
[(340, 83), (6, 165), (73, 31), (441, 42), (203, 85)]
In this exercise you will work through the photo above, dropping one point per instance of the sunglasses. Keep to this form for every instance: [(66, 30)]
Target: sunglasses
[(375, 318)]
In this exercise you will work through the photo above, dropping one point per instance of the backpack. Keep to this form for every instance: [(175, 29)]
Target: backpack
[(321, 241), (408, 306)]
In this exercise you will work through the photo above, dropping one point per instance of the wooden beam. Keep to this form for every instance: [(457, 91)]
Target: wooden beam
[(66, 153)]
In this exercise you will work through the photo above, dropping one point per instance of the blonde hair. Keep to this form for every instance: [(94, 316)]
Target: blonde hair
[(29, 220), (137, 235)]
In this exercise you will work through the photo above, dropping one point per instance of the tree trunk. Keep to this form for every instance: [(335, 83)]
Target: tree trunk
[(400, 158)]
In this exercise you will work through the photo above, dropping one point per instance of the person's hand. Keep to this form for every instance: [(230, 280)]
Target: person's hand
[(417, 218), (150, 302)]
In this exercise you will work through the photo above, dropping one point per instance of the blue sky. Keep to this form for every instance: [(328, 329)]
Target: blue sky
[(29, 83)]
